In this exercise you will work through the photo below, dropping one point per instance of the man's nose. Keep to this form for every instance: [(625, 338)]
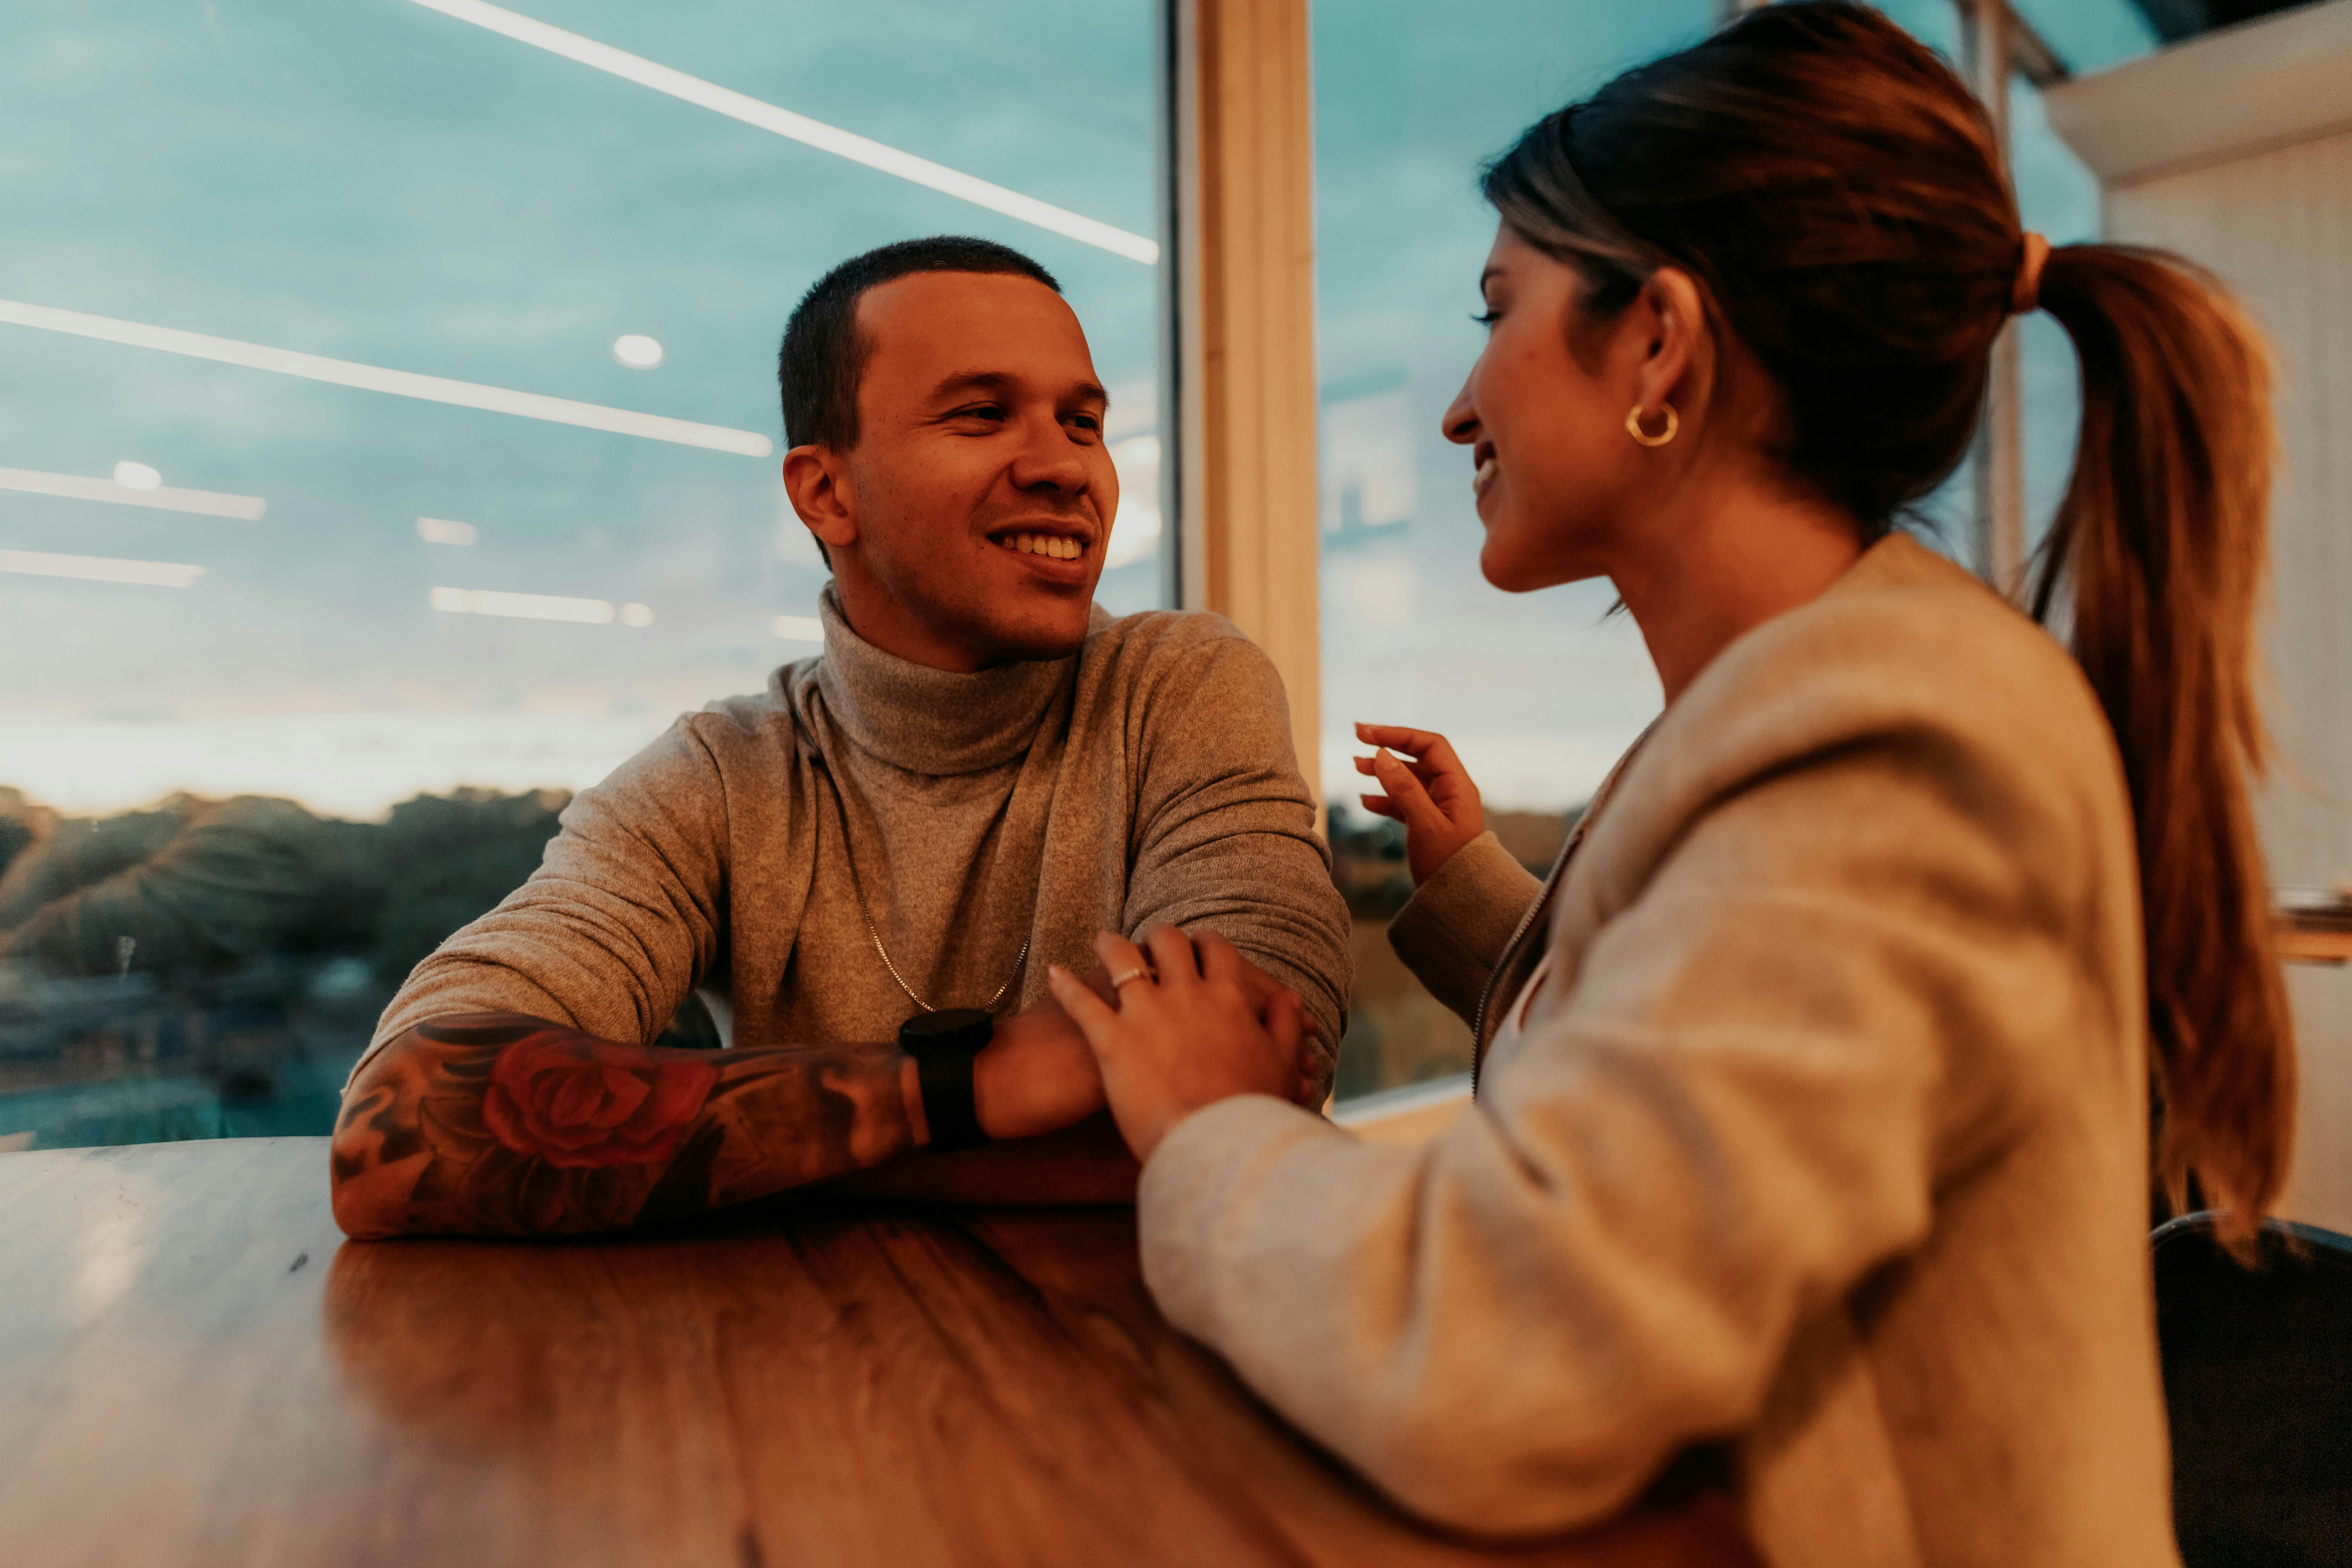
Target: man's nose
[(1049, 460)]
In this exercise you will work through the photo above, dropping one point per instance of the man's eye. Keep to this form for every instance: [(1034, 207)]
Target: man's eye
[(979, 411), (1086, 421)]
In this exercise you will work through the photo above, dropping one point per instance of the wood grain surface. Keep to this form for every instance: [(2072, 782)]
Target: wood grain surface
[(197, 1369)]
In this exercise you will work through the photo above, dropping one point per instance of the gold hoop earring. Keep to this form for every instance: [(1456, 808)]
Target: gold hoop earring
[(1633, 426)]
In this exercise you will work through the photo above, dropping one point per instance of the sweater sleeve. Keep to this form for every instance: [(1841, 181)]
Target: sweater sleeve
[(1225, 830), (1723, 1124), (621, 918), (1451, 933)]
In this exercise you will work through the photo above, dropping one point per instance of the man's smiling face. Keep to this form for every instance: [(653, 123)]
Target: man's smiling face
[(967, 523)]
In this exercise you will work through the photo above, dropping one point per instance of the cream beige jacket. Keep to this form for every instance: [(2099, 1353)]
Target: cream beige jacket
[(1825, 1140)]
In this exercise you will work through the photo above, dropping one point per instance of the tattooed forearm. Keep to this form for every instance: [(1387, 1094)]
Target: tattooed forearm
[(492, 1123)]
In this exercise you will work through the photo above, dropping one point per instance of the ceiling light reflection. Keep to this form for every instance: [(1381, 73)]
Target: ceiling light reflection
[(100, 569), (76, 487), (799, 128), (1135, 531), (1135, 537), (637, 351), (137, 477), (443, 530), (399, 382), (522, 606), (798, 628), (637, 614)]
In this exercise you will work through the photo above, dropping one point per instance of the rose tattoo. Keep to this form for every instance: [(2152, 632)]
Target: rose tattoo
[(578, 1101)]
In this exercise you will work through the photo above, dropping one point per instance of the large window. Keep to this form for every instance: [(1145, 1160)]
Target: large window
[(388, 446), (1539, 693)]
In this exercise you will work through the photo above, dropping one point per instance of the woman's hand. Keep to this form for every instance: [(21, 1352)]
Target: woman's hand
[(1207, 1028), (1431, 795)]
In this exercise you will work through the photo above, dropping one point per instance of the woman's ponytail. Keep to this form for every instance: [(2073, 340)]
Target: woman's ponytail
[(2157, 557)]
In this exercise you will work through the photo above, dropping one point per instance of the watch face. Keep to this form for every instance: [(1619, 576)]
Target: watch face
[(950, 1029)]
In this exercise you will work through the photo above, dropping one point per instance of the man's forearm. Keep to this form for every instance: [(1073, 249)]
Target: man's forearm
[(505, 1125)]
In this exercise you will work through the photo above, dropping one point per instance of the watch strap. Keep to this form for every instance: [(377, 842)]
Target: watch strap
[(945, 1078)]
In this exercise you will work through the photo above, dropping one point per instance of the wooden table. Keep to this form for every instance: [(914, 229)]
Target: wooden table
[(197, 1369)]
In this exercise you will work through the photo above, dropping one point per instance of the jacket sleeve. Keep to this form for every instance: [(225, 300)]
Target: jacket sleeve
[(1719, 1126), (1226, 834), (612, 931), (1451, 933)]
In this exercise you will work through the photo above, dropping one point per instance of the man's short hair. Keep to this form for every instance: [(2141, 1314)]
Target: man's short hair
[(823, 358)]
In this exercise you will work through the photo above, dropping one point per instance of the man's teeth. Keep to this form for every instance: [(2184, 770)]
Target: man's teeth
[(1051, 545), (1485, 476)]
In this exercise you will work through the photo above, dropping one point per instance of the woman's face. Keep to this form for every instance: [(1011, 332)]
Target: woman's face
[(1555, 470)]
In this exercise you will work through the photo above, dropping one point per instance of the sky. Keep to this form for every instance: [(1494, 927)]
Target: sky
[(381, 182), (1539, 693)]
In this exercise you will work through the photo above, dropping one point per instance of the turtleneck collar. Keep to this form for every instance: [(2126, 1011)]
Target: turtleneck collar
[(929, 720)]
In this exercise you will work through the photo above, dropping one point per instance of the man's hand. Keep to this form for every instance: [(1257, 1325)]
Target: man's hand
[(1195, 1034), (1432, 795)]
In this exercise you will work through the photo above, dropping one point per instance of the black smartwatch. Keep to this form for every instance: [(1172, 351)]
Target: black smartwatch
[(943, 1045)]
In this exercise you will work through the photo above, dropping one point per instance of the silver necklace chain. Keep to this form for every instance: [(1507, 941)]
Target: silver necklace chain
[(874, 934)]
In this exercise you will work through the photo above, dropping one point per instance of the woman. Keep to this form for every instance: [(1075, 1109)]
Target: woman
[(1812, 1113)]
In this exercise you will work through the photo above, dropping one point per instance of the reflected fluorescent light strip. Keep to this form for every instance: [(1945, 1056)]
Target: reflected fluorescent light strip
[(375, 378), (100, 569), (446, 530), (522, 607), (799, 128), (205, 503)]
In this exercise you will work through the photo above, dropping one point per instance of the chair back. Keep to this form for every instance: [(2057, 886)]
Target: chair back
[(2257, 1382)]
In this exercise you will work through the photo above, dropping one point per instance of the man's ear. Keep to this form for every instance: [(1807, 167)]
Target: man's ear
[(817, 480)]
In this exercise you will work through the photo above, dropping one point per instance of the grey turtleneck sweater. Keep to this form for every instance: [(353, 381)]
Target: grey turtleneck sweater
[(1147, 780)]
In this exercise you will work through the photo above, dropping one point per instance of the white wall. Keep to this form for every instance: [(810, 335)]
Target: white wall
[(2277, 227), (2263, 194)]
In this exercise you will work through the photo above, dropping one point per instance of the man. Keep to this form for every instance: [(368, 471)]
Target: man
[(978, 773)]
